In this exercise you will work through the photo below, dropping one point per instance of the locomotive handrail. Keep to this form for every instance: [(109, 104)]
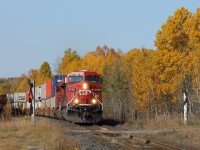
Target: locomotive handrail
[(70, 101)]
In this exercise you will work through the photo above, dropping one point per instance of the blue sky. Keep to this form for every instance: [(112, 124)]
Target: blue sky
[(34, 31)]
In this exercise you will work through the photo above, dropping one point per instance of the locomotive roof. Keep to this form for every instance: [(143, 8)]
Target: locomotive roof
[(83, 72)]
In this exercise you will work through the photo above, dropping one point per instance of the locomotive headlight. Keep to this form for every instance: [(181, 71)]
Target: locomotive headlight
[(85, 86), (76, 101), (94, 101)]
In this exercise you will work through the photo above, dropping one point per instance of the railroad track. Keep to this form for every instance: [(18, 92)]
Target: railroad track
[(124, 139), (131, 142)]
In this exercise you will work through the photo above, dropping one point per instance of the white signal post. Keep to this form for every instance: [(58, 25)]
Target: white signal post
[(32, 91), (185, 117)]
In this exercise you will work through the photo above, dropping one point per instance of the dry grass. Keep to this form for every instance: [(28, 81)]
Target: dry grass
[(173, 130), (7, 113), (160, 122), (184, 138), (20, 133)]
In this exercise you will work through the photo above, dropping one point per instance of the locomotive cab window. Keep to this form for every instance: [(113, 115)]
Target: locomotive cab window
[(92, 78), (75, 78)]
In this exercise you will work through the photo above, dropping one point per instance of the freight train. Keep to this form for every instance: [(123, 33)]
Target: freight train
[(76, 97)]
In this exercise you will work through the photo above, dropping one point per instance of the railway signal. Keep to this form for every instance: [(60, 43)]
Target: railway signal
[(32, 100)]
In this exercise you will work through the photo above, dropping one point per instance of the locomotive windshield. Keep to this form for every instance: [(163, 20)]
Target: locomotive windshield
[(75, 78), (92, 78)]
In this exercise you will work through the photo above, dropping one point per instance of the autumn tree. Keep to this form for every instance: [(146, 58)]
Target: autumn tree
[(173, 36), (175, 43), (192, 63), (118, 100), (95, 60), (103, 51), (9, 85), (167, 78), (139, 67), (44, 73), (92, 62), (99, 51), (191, 27), (33, 74), (195, 71), (5, 87), (70, 62), (23, 85)]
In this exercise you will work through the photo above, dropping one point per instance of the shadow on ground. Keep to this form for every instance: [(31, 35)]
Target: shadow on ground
[(106, 122), (109, 122)]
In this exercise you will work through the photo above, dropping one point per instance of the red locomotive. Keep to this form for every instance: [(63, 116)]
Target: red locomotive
[(80, 97)]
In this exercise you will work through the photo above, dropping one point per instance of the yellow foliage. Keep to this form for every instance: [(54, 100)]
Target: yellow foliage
[(92, 62), (70, 62), (192, 29), (23, 84), (172, 35), (140, 63), (194, 69), (44, 73), (166, 71)]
